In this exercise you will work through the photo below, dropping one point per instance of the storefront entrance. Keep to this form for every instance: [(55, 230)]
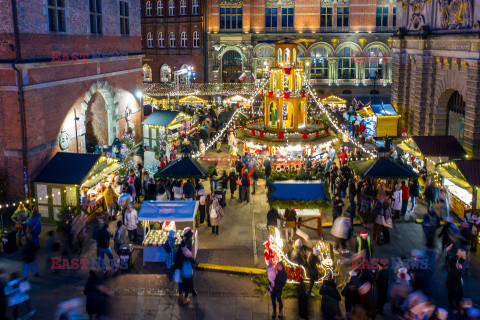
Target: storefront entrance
[(96, 128), (231, 67), (456, 116)]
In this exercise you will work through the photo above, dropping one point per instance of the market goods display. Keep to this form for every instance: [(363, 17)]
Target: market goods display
[(159, 237)]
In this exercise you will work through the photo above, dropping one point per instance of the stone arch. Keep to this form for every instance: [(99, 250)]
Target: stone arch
[(223, 52), (326, 46), (111, 105), (301, 49), (261, 46), (380, 45), (354, 46)]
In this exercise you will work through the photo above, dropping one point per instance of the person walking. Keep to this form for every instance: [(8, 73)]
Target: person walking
[(414, 193), (330, 300), (96, 295), (124, 201), (254, 178), (399, 291), (337, 206), (454, 283), (290, 223), (272, 217), (216, 215), (378, 217), (35, 226), (350, 291), (327, 169), (232, 179), (120, 237), (19, 217), (397, 202), (312, 269), (131, 223), (381, 286), (178, 190), (188, 190), (443, 199), (340, 232), (368, 300), (29, 259), (388, 221), (405, 197), (137, 184), (103, 244), (302, 297), (245, 183), (276, 292), (109, 197), (268, 169)]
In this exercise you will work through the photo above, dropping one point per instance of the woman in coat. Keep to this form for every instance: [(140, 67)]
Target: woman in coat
[(397, 201), (216, 215), (232, 178)]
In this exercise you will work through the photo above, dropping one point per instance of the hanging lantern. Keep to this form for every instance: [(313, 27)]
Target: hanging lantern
[(270, 94)]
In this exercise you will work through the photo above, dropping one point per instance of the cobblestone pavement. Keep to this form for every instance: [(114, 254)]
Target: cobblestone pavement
[(147, 294)]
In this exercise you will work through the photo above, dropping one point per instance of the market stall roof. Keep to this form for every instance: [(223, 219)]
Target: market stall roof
[(439, 146), (168, 211), (236, 98), (384, 168), (227, 115), (182, 168), (331, 98), (68, 168), (379, 110), (470, 170), (192, 99), (163, 118)]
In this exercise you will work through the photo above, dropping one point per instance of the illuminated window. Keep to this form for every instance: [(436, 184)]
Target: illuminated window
[(231, 18), (374, 63), (346, 65), (319, 64), (171, 8), (183, 7), (165, 73), (147, 73), (161, 40)]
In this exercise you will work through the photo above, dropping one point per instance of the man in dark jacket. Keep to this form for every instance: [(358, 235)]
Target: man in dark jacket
[(337, 207), (381, 285), (350, 291), (272, 217), (276, 294), (28, 256), (239, 165), (268, 170), (368, 300), (330, 300), (103, 244), (414, 192), (312, 269)]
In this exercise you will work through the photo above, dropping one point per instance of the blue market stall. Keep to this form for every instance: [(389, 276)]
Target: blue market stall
[(181, 212), (381, 120)]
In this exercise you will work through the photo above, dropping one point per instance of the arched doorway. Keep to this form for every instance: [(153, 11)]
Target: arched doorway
[(96, 128), (231, 67), (456, 116)]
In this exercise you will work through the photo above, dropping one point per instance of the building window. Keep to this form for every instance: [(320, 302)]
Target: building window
[(382, 17), (195, 7), (346, 65), (183, 7), (374, 63), (149, 40), (287, 18), (342, 17), (124, 18), (171, 38), (147, 73), (319, 64), (196, 40), (56, 15), (160, 8), (326, 17), (171, 8), (161, 40), (165, 73), (183, 39), (264, 59), (394, 17), (148, 8), (271, 19), (231, 18), (95, 16)]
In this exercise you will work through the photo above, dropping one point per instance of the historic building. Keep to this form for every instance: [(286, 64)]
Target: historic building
[(341, 42), (436, 69), (173, 40), (68, 69)]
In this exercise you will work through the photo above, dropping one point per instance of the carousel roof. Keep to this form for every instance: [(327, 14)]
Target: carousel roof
[(182, 168)]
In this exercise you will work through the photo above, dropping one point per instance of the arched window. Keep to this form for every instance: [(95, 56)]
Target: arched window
[(287, 114), (196, 40), (294, 60), (184, 77), (287, 57), (171, 8), (456, 116), (161, 40), (171, 38), (301, 114), (346, 65), (272, 114), (279, 56), (165, 73), (147, 73), (160, 8), (265, 55), (275, 79), (183, 7), (374, 63), (319, 64), (149, 40), (195, 7), (183, 39), (148, 8)]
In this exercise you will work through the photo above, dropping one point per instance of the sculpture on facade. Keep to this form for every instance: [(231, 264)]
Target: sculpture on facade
[(456, 14)]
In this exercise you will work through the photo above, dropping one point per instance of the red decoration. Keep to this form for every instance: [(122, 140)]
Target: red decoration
[(281, 135), (305, 134), (261, 133), (236, 122), (303, 94), (252, 131), (243, 126), (317, 134), (293, 273), (270, 94), (286, 95), (326, 131), (288, 71)]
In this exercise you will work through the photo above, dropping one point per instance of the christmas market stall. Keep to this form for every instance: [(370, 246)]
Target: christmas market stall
[(60, 182), (381, 120), (461, 179), (167, 123), (193, 101), (335, 103), (159, 217)]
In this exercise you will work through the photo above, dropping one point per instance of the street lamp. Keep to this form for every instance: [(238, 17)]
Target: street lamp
[(76, 119)]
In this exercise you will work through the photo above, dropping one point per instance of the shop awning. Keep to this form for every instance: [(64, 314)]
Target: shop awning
[(168, 211), (192, 99), (383, 168), (332, 99), (439, 146), (163, 118), (465, 173), (182, 168), (68, 168), (236, 98)]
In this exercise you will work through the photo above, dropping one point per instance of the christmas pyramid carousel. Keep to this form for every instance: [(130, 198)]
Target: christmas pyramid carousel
[(285, 129)]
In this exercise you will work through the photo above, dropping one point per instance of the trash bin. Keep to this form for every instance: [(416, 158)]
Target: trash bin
[(221, 195), (125, 253), (9, 241)]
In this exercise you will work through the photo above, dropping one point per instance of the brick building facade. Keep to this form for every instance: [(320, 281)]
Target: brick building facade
[(342, 42), (58, 58), (173, 39), (436, 67)]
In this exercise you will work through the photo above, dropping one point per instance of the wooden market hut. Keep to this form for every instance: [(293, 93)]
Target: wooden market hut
[(171, 122)]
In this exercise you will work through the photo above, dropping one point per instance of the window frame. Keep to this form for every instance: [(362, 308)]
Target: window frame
[(149, 79), (170, 39), (321, 67), (381, 18), (227, 17), (124, 17), (183, 7), (171, 8), (161, 40), (394, 17), (183, 40), (195, 7), (160, 8), (326, 15), (289, 18), (271, 19), (343, 14), (162, 73), (346, 63), (57, 20), (149, 40), (196, 39), (96, 17), (374, 62), (148, 8)]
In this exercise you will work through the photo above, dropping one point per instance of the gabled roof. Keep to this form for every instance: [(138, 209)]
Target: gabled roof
[(387, 168), (185, 167), (439, 146), (161, 118), (470, 170), (68, 168), (384, 109)]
